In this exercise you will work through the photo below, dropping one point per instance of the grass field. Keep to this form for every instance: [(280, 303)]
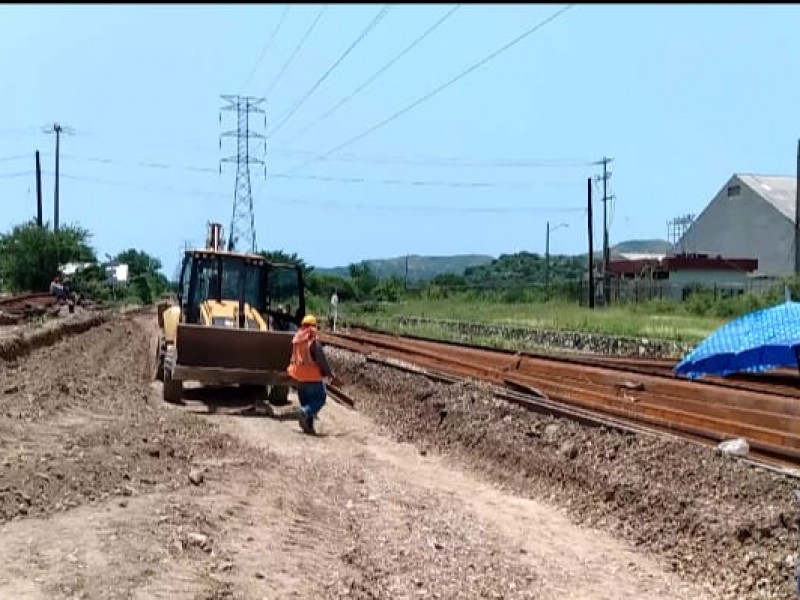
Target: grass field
[(636, 321)]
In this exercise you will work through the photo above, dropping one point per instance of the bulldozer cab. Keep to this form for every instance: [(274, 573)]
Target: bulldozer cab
[(226, 276)]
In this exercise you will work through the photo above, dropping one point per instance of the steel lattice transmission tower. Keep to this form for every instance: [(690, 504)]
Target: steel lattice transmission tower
[(242, 230)]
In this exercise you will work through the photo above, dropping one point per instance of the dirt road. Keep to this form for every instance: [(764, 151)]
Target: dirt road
[(96, 500)]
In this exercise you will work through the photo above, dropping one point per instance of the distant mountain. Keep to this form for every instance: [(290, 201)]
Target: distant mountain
[(420, 268)]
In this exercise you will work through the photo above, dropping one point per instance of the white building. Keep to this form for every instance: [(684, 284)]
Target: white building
[(116, 274), (752, 216)]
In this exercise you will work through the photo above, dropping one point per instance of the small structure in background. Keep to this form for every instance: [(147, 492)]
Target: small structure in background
[(334, 309), (116, 274), (69, 269), (676, 277)]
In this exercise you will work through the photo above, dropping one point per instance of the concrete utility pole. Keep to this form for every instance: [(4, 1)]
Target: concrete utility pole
[(606, 250), (591, 241), (797, 215), (58, 130), (547, 251)]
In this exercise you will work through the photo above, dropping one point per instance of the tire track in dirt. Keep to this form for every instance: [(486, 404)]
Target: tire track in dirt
[(404, 526)]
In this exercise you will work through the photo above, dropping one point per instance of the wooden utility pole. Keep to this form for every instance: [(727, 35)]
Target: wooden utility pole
[(39, 216), (591, 242)]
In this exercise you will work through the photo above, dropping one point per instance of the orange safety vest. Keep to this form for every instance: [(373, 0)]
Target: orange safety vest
[(302, 366)]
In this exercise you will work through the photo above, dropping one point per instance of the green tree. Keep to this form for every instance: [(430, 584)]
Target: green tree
[(139, 262), (364, 280), (324, 284), (30, 256), (146, 282), (279, 256)]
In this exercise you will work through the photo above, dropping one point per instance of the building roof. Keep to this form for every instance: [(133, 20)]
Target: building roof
[(777, 190)]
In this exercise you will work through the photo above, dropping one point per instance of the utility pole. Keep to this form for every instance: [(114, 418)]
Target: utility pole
[(591, 241), (58, 130), (243, 228), (797, 215), (606, 250), (547, 251), (39, 216), (406, 278)]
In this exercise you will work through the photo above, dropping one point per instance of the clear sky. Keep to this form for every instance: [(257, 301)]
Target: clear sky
[(680, 96)]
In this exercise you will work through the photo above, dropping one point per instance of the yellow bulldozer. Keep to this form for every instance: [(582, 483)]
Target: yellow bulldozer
[(232, 323)]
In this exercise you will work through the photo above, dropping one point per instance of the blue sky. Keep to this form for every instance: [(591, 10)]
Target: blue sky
[(680, 96)]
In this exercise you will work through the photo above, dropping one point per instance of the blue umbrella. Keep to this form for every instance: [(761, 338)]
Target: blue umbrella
[(758, 341)]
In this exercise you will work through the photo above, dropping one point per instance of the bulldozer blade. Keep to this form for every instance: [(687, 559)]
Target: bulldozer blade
[(226, 355)]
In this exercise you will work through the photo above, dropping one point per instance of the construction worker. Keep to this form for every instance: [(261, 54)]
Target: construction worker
[(309, 369)]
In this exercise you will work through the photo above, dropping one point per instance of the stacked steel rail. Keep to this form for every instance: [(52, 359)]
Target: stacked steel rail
[(766, 414)]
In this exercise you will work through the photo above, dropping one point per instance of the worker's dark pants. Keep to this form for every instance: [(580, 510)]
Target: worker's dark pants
[(312, 398)]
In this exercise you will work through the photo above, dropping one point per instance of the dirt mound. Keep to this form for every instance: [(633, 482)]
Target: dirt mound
[(24, 342), (712, 519), (79, 424)]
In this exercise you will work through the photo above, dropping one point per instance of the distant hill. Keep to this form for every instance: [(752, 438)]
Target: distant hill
[(642, 247), (425, 268), (420, 268), (632, 247)]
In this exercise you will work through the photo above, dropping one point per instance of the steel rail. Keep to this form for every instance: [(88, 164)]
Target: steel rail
[(770, 423)]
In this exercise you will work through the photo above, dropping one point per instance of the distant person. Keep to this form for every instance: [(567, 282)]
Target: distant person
[(58, 289), (310, 370)]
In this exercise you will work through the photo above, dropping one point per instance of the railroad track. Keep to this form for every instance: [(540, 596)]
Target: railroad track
[(19, 301), (780, 382), (708, 411)]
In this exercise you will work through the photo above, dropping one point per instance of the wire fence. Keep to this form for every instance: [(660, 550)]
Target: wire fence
[(619, 291)]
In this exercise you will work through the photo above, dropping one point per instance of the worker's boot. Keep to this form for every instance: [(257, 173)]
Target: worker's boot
[(305, 422)]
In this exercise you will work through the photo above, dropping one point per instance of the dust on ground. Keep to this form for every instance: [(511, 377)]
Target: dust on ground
[(106, 492)]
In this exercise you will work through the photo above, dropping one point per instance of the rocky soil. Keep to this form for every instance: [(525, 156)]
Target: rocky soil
[(708, 518)]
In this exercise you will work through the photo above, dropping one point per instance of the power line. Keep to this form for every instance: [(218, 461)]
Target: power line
[(14, 157), (378, 73), (372, 24), (433, 208), (17, 174), (526, 163), (438, 89), (179, 192), (420, 183), (517, 163), (458, 162), (341, 179), (267, 46), (296, 49)]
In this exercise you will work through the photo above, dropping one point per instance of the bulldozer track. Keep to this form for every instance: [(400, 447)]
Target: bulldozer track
[(767, 415)]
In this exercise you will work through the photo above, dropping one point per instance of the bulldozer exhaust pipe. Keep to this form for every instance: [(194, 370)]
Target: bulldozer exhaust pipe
[(214, 240)]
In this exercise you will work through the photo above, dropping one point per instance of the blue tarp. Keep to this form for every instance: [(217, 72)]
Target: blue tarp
[(759, 341)]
